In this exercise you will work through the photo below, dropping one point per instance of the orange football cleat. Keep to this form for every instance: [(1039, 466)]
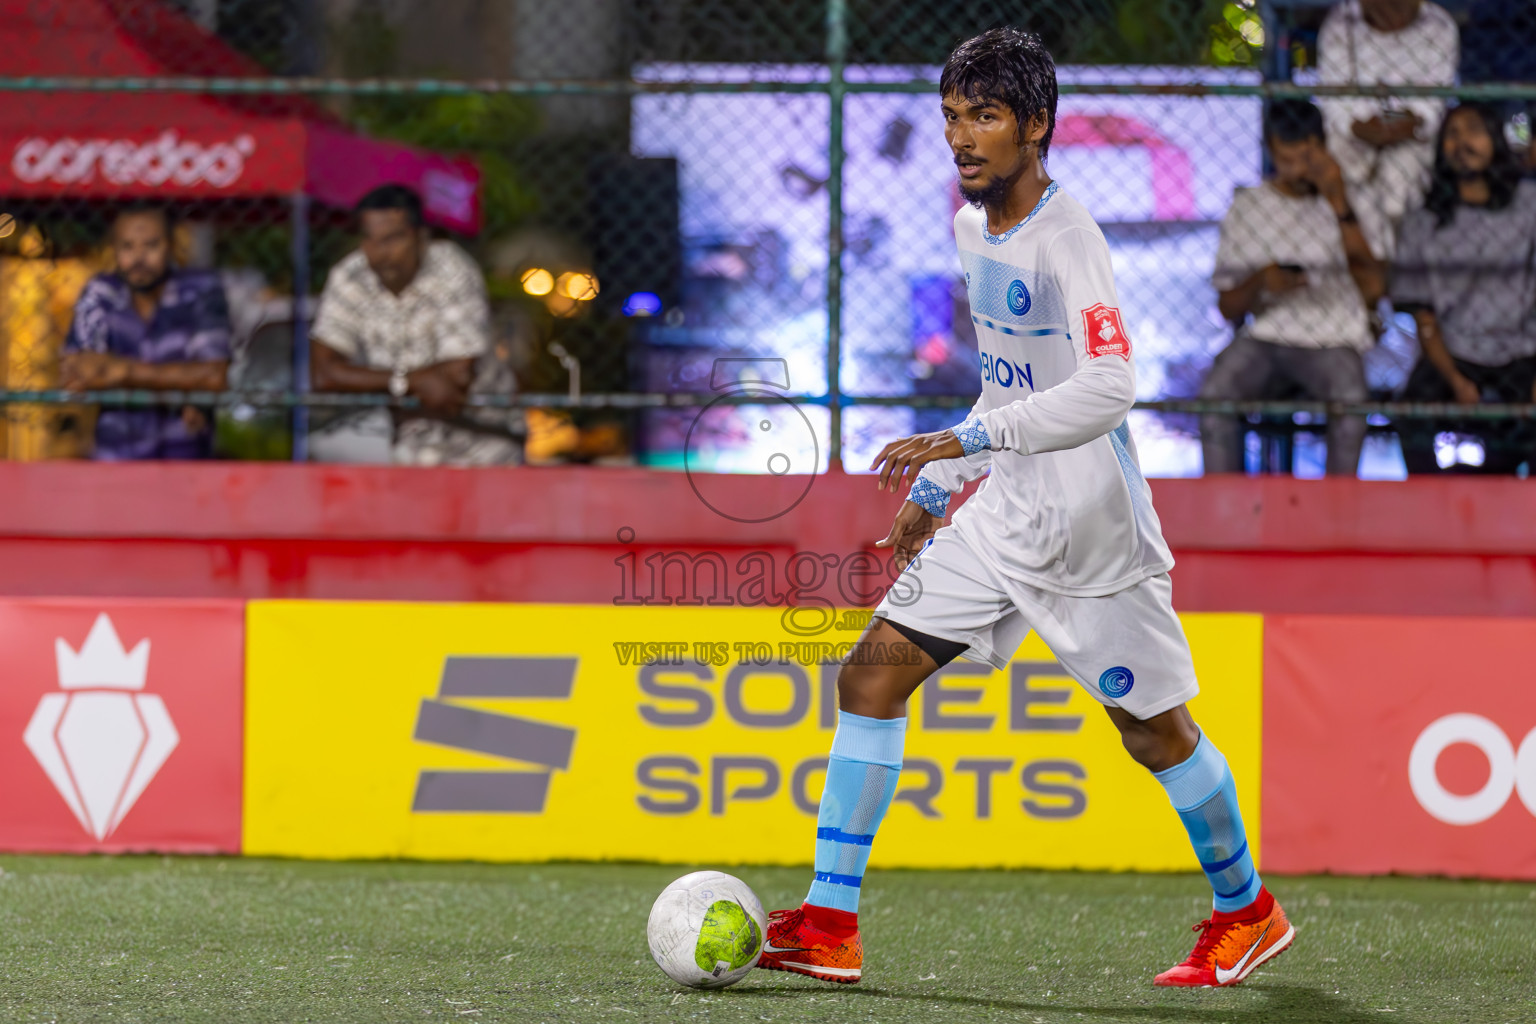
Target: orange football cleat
[(815, 941), (1232, 945)]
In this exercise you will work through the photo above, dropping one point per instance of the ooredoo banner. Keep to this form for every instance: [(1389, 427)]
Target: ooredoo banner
[(1400, 745), (537, 732), (121, 725)]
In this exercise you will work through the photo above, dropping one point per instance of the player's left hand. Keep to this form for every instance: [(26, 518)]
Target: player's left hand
[(910, 532), (910, 454)]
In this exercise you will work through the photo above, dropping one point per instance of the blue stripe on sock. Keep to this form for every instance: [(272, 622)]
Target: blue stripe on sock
[(1204, 794), (862, 771), (837, 835), (1239, 890), (827, 876), (1221, 865)]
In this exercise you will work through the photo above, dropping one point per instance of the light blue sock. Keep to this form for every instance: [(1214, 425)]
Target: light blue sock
[(861, 779), (1204, 794)]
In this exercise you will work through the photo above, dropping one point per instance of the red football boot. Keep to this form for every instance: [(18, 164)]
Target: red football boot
[(1232, 944), (815, 941)]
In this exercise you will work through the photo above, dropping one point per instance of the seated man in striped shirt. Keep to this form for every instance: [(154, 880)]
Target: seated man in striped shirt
[(152, 326)]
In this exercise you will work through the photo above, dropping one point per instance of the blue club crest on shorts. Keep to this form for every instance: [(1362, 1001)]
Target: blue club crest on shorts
[(1018, 298), (1117, 682)]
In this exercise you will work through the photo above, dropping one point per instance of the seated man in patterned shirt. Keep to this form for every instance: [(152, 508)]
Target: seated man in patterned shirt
[(149, 326), (407, 315)]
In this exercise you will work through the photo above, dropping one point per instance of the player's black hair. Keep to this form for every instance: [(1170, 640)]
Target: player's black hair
[(1292, 121), (138, 207), (1007, 66), (1503, 172), (393, 197)]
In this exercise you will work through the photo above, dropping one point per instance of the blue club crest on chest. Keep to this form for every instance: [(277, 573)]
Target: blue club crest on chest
[(1018, 298)]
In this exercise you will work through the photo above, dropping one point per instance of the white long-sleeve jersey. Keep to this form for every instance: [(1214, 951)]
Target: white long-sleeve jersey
[(1065, 507)]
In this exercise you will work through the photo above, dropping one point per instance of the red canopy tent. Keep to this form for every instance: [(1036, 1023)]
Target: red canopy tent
[(116, 144)]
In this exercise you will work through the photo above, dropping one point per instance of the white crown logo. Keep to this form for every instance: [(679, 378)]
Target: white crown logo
[(102, 662)]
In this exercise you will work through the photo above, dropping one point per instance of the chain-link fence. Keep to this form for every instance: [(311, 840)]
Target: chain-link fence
[(703, 224)]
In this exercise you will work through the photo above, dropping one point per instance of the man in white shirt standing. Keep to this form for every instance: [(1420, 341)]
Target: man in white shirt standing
[(1061, 537), (1296, 273), (407, 315), (1385, 146)]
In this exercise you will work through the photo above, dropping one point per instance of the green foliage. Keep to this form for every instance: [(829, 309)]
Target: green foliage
[(1075, 31), (1148, 32), (268, 247), (1237, 37), (485, 126), (267, 31), (266, 436)]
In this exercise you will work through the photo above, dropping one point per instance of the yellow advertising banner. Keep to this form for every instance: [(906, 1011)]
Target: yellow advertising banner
[(685, 735)]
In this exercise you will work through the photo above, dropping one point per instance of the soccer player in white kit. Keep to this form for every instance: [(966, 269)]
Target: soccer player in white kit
[(1061, 537)]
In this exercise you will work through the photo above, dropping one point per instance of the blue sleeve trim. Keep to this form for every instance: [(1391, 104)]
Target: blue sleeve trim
[(973, 437), (933, 498)]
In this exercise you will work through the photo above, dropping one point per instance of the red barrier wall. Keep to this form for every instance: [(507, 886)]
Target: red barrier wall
[(1446, 547)]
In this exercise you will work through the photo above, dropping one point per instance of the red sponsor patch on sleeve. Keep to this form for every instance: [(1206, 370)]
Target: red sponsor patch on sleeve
[(1104, 334)]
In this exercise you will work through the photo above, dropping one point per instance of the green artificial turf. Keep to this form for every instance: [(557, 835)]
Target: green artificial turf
[(228, 940)]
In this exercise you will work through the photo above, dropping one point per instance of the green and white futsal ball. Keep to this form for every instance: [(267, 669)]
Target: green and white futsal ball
[(706, 930)]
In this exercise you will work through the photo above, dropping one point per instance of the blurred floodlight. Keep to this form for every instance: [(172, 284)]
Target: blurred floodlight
[(642, 304), (538, 281), (1458, 449), (582, 287)]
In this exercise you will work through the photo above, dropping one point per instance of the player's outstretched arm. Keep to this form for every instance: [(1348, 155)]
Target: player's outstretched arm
[(1101, 390), (1088, 404)]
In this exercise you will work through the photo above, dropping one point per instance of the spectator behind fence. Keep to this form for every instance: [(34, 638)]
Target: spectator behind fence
[(1295, 273), (1466, 268), (406, 315), (149, 326), (1384, 146)]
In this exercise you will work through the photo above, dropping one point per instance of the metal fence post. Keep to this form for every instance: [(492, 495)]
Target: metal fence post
[(837, 53), (299, 221)]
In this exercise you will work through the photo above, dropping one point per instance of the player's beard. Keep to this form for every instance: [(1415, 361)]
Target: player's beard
[(144, 284), (993, 193)]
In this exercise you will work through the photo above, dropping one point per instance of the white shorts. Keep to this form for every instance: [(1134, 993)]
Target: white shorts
[(1128, 650)]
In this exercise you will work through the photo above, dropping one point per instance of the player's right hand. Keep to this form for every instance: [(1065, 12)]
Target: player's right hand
[(910, 454), (911, 530), (441, 389)]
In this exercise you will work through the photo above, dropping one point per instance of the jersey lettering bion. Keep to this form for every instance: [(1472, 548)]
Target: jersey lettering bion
[(1065, 507)]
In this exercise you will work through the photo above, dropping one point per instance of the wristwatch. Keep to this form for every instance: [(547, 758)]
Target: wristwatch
[(399, 383)]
